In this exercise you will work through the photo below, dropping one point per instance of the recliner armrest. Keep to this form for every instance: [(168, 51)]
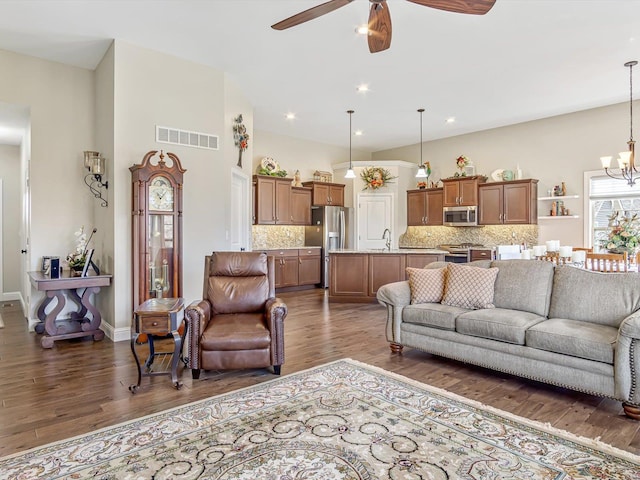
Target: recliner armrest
[(275, 313), (197, 316)]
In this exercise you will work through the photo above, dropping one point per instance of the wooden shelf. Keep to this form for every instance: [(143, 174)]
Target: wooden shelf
[(557, 217)]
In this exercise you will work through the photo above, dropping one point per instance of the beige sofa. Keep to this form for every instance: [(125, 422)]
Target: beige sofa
[(560, 325)]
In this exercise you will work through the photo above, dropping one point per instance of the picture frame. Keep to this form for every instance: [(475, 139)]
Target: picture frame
[(45, 267), (470, 170), (87, 262)]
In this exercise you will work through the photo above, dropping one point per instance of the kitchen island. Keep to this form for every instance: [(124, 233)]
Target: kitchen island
[(356, 275)]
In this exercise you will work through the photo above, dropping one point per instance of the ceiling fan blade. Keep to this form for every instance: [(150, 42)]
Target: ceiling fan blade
[(379, 38), (310, 14), (474, 7)]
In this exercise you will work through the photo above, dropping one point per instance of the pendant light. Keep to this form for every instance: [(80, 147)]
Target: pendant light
[(626, 160), (422, 170), (350, 173)]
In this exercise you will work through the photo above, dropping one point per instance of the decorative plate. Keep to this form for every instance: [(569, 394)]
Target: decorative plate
[(270, 164), (496, 175)]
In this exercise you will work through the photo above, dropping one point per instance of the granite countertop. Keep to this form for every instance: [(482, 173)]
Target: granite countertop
[(393, 250)]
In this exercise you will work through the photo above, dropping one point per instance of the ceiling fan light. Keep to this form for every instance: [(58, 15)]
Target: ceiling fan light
[(422, 172), (362, 30), (350, 174)]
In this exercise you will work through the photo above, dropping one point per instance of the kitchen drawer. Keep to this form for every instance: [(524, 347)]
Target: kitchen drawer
[(480, 254), (285, 252), (309, 252)]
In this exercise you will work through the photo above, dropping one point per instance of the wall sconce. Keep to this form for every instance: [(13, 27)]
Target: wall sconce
[(95, 164)]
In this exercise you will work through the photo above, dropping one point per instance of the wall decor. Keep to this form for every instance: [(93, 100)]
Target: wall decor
[(375, 177), (241, 137)]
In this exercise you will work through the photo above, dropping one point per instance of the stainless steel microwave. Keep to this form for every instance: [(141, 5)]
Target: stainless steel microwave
[(460, 216)]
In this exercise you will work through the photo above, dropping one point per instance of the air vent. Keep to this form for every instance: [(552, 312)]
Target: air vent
[(186, 138)]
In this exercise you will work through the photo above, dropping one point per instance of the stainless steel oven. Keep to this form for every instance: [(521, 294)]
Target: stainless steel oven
[(460, 216)]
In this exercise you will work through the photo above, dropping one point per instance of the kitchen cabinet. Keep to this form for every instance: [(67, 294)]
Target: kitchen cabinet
[(420, 260), (272, 200), (357, 276), (300, 206), (324, 193), (424, 207), (309, 266), (385, 268), (508, 203), (348, 276), (286, 263), (460, 191)]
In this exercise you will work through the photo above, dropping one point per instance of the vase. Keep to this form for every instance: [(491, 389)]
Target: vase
[(76, 271)]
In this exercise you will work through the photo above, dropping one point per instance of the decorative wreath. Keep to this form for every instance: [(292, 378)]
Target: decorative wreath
[(375, 177)]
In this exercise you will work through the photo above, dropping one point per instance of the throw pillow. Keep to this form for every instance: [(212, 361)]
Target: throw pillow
[(469, 287), (426, 285)]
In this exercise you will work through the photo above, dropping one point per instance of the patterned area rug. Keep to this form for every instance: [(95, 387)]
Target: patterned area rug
[(343, 420)]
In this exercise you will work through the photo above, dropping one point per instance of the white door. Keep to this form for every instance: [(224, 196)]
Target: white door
[(375, 214), (240, 212)]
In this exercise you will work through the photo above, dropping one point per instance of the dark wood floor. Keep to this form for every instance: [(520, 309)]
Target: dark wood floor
[(79, 386)]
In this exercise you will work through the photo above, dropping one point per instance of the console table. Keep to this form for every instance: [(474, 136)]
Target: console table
[(79, 290), (159, 317)]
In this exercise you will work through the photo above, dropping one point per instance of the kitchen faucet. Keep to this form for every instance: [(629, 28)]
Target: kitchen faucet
[(388, 239)]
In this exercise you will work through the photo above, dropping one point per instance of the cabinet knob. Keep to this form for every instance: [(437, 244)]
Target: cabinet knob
[(154, 324)]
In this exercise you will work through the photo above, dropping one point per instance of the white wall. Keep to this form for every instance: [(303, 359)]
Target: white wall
[(61, 100), (299, 154), (151, 88), (11, 217), (552, 150)]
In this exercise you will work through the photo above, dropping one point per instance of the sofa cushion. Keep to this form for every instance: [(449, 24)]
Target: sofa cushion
[(427, 285), (469, 287), (603, 298), (574, 337), (433, 315), (523, 285), (497, 324)]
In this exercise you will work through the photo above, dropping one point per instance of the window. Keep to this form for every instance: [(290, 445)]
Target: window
[(607, 196)]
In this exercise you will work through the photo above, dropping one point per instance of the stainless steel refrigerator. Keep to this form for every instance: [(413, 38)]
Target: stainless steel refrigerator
[(331, 228)]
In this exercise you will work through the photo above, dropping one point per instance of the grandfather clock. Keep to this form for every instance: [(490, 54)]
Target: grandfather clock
[(157, 227)]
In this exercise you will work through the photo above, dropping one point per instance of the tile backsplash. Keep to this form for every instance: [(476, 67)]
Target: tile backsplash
[(277, 236), (489, 235)]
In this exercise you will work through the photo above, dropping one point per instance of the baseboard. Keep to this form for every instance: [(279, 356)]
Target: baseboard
[(116, 334)]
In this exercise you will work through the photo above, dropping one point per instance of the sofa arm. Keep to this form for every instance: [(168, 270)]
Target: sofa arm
[(627, 361), (197, 316), (276, 312), (395, 296)]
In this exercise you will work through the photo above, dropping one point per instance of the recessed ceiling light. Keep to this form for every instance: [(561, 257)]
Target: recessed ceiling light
[(357, 133), (363, 88), (451, 120), (362, 30), (290, 116)]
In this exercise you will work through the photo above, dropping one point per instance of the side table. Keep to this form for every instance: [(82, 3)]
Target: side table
[(80, 290), (159, 317)]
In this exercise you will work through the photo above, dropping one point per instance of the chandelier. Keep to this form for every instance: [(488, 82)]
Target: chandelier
[(626, 160)]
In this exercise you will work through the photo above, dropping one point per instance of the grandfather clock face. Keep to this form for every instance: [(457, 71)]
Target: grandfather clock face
[(161, 194)]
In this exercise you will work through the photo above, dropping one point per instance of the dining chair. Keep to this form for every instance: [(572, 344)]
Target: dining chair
[(606, 262), (585, 249)]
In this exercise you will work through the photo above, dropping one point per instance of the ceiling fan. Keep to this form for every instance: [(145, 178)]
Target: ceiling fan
[(379, 27)]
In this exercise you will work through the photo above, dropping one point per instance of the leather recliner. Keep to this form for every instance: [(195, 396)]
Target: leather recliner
[(239, 323)]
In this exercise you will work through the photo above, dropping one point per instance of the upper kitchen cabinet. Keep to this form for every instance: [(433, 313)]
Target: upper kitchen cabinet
[(508, 203), (461, 191), (324, 193), (424, 207), (272, 200), (300, 206)]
